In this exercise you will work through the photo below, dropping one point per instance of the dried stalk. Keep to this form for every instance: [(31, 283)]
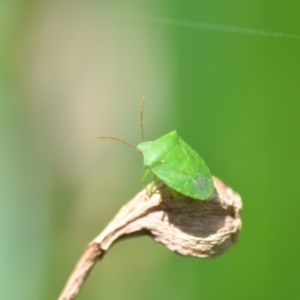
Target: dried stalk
[(186, 226)]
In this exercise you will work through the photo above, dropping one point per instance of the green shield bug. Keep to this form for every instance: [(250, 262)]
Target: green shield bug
[(174, 162)]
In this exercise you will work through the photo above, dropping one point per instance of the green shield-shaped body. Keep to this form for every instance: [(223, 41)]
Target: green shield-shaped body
[(179, 166)]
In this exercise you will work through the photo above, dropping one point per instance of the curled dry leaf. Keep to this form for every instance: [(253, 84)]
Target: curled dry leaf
[(186, 226)]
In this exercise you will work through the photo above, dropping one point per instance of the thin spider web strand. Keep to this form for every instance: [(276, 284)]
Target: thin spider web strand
[(219, 27)]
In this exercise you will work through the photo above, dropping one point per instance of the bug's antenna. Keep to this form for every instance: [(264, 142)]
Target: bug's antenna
[(142, 117), (117, 140)]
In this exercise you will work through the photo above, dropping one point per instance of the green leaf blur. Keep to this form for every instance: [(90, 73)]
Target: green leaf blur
[(224, 74)]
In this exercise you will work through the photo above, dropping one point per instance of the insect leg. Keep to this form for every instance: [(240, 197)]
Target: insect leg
[(174, 194), (152, 184), (143, 180)]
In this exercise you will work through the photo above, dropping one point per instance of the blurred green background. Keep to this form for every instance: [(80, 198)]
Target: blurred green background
[(73, 70)]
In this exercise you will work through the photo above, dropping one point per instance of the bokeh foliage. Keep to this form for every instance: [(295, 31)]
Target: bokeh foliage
[(73, 70)]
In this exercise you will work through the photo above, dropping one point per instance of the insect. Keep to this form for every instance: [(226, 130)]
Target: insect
[(174, 162)]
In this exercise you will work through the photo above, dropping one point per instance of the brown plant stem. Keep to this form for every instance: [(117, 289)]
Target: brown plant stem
[(186, 226)]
